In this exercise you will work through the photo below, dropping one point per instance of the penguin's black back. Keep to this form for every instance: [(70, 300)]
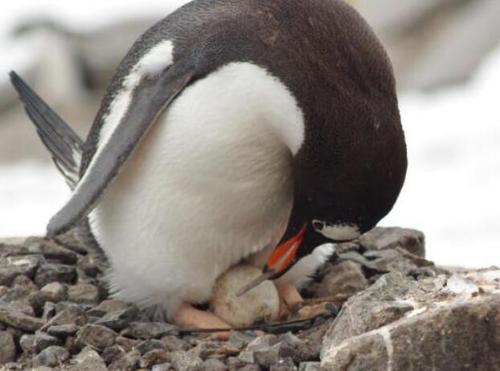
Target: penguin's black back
[(328, 57)]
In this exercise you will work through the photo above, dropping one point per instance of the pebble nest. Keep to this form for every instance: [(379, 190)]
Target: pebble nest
[(55, 313)]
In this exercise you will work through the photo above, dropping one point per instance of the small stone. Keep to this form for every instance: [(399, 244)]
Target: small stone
[(148, 345), (309, 366), (89, 360), (20, 320), (89, 264), (213, 365), (260, 343), (96, 336), (42, 340), (49, 311), (268, 356), (252, 367), (25, 282), (7, 347), (62, 331), (108, 306), (70, 314), (344, 279), (162, 367), (300, 350), (411, 240), (173, 343), (27, 343), (54, 292), (148, 330), (51, 356), (52, 272), (21, 306), (71, 241), (83, 293), (260, 303), (51, 250), (13, 266), (285, 364), (153, 357), (234, 363), (184, 361), (240, 339), (113, 353), (129, 361), (126, 343), (119, 319)]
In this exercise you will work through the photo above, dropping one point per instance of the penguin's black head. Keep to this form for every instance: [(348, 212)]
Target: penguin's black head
[(348, 172)]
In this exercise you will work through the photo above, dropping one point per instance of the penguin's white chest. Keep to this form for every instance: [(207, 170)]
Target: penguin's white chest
[(210, 184)]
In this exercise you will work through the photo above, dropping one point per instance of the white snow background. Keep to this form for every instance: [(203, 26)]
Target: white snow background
[(453, 136)]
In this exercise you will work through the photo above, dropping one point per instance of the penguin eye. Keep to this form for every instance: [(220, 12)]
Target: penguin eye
[(318, 225)]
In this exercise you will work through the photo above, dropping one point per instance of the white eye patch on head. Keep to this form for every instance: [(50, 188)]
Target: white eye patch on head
[(339, 231)]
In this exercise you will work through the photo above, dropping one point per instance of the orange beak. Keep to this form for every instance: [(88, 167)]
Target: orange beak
[(280, 259)]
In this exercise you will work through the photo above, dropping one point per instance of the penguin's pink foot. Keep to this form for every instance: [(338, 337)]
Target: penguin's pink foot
[(290, 298), (189, 317)]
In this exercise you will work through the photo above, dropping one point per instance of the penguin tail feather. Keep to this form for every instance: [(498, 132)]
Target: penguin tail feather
[(63, 143)]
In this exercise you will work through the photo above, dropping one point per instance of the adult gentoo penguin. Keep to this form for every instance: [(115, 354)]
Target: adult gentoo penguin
[(232, 129)]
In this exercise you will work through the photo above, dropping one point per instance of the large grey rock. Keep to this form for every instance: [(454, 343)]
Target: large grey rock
[(439, 323)]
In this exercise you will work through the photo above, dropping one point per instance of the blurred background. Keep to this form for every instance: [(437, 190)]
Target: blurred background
[(446, 55)]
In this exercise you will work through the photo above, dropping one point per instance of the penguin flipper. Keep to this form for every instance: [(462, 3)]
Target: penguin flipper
[(150, 98), (63, 143)]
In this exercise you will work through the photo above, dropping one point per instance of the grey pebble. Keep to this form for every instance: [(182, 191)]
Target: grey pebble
[(162, 367), (54, 292), (88, 360), (62, 331), (153, 357), (83, 293), (89, 264), (51, 356), (112, 353), (53, 272), (148, 330), (48, 311), (97, 336), (184, 361), (51, 250), (42, 340), (128, 361), (268, 356), (119, 319), (7, 347), (213, 365), (20, 320), (13, 266), (285, 364), (309, 366), (147, 345), (173, 343)]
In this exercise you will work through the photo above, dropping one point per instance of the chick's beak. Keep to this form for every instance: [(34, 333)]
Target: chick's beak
[(280, 260)]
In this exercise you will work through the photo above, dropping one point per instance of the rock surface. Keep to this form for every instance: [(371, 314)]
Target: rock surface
[(398, 312)]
